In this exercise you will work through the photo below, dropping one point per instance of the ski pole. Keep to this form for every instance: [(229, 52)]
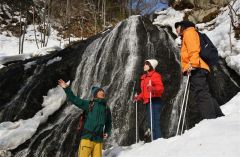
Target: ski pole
[(185, 109), (136, 113), (136, 124), (185, 92), (150, 83)]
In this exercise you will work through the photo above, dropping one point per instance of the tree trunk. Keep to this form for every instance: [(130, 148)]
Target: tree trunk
[(67, 19), (20, 36), (130, 7), (34, 27), (24, 32), (47, 32)]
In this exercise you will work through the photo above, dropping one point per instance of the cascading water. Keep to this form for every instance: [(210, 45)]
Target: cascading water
[(112, 60)]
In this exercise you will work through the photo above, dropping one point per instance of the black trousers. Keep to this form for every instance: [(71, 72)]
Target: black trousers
[(208, 106)]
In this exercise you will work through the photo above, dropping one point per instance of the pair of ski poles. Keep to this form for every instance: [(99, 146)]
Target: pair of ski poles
[(150, 83), (183, 108)]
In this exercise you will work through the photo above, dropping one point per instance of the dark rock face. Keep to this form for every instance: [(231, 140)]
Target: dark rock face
[(202, 10), (203, 4), (112, 60)]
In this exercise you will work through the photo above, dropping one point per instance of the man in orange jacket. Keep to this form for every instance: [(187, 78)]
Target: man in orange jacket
[(198, 70)]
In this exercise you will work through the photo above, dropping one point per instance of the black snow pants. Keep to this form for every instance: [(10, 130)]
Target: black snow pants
[(208, 106)]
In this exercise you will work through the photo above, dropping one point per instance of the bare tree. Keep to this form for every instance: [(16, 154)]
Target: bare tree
[(104, 12), (34, 27), (24, 32), (23, 27), (44, 27), (235, 17), (235, 22), (20, 35), (68, 19)]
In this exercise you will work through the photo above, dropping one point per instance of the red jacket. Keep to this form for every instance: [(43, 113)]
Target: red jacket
[(156, 82)]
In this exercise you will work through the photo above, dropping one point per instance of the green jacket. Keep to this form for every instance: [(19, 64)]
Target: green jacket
[(98, 121)]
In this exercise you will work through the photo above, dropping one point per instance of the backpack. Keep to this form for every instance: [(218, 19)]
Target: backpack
[(82, 118), (208, 52)]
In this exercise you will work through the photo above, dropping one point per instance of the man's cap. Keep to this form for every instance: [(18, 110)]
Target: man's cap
[(186, 24)]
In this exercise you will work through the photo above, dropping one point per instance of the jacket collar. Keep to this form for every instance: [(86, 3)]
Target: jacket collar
[(149, 74), (100, 100)]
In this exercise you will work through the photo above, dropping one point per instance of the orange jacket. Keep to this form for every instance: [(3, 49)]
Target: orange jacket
[(190, 50)]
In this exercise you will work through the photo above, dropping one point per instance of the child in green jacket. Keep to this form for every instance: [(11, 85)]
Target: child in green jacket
[(98, 121)]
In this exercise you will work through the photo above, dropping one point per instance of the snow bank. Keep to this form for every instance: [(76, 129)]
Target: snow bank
[(169, 17), (12, 134), (46, 50), (232, 107), (217, 137), (5, 59)]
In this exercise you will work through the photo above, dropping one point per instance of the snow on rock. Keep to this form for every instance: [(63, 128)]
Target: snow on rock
[(29, 64), (5, 59), (46, 50), (168, 17), (56, 59), (1, 66), (216, 137), (12, 134)]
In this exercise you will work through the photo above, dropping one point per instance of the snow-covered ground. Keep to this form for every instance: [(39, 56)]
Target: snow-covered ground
[(210, 138)]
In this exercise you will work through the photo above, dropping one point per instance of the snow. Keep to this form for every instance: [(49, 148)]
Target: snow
[(56, 59), (5, 59), (46, 50), (216, 137), (168, 17), (12, 134), (9, 45), (29, 64)]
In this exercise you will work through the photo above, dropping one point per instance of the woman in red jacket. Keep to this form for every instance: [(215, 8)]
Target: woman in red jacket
[(151, 82)]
